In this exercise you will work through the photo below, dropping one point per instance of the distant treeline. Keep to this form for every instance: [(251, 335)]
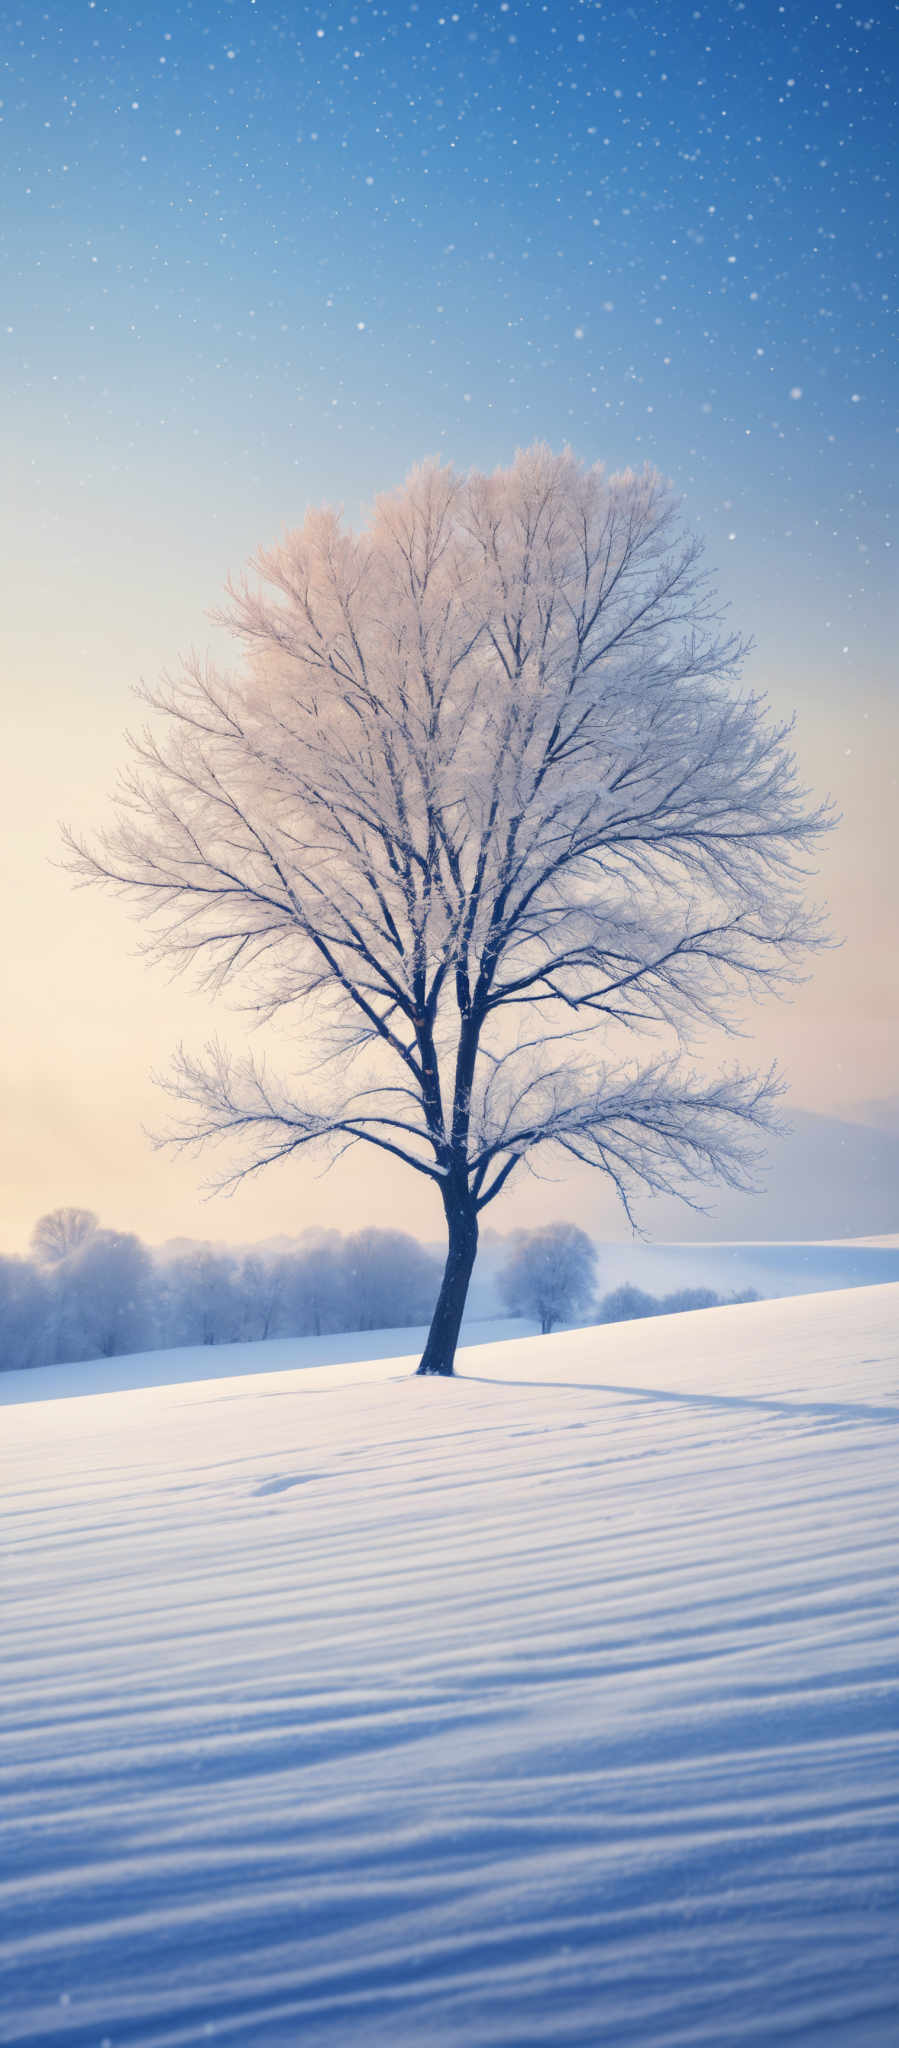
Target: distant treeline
[(87, 1292), (628, 1304), (550, 1274)]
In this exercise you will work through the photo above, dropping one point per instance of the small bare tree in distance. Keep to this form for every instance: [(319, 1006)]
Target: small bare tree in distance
[(481, 804)]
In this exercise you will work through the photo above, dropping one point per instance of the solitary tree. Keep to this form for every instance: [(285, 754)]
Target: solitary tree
[(481, 803), (550, 1274)]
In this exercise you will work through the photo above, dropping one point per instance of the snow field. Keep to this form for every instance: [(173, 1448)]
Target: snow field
[(555, 1704), (190, 1362)]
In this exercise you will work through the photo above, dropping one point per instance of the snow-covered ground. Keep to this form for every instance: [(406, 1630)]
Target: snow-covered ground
[(189, 1362), (556, 1704)]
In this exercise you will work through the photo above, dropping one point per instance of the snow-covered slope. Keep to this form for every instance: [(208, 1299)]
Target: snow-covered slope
[(556, 1704), (191, 1362)]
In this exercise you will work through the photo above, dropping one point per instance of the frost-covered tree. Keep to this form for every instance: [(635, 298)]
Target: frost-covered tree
[(314, 1289), (61, 1232), (204, 1302), (480, 804), (26, 1322), (627, 1305), (685, 1299), (102, 1296), (550, 1274), (262, 1291), (390, 1279)]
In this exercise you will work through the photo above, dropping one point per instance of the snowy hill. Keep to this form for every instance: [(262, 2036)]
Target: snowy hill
[(551, 1705), (771, 1269), (183, 1364)]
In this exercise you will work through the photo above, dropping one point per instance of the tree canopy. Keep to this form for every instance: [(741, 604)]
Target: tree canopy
[(481, 805), (549, 1273)]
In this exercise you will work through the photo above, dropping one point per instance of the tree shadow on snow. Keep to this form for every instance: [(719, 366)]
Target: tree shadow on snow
[(827, 1411)]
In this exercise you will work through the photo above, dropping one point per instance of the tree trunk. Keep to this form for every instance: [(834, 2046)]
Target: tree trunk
[(443, 1336)]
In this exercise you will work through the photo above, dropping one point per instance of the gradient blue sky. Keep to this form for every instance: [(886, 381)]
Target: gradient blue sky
[(256, 257)]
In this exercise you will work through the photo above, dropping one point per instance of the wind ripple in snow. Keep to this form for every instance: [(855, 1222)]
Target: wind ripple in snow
[(557, 1705)]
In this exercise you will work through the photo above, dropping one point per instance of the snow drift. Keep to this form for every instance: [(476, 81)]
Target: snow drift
[(555, 1704)]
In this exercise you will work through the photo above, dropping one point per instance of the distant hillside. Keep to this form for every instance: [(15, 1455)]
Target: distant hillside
[(774, 1269), (828, 1179)]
